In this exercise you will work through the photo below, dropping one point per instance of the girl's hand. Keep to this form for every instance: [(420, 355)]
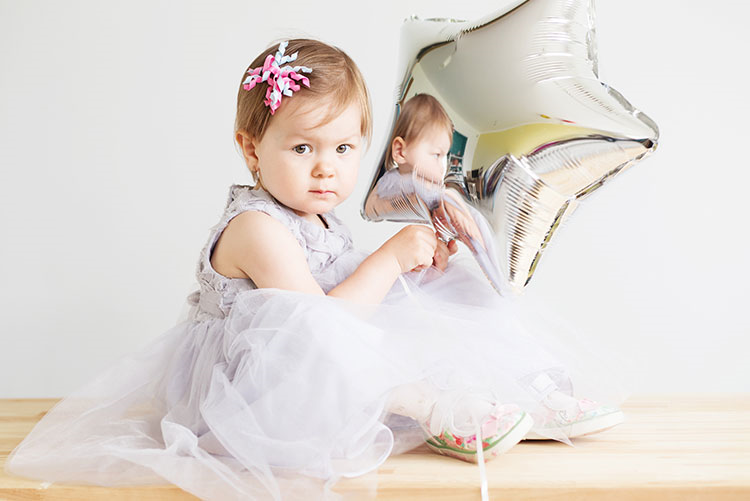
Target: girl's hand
[(412, 248), (443, 252), (462, 221)]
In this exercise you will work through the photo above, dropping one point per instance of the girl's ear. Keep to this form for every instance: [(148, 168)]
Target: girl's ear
[(397, 150), (247, 144)]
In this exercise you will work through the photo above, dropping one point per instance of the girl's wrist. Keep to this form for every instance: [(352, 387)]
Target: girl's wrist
[(388, 261)]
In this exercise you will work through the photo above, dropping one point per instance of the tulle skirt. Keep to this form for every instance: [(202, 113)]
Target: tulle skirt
[(290, 392)]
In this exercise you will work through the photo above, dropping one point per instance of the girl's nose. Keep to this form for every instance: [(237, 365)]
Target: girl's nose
[(323, 168)]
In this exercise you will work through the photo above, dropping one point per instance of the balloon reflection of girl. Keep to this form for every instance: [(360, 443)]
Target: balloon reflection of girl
[(421, 137), (418, 153), (302, 360)]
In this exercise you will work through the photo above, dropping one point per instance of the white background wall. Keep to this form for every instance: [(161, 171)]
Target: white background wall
[(116, 153)]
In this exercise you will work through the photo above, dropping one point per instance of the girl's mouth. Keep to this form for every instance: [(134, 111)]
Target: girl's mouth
[(323, 193)]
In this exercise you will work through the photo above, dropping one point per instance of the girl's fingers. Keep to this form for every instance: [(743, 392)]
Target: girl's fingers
[(452, 247), (440, 259), (432, 237)]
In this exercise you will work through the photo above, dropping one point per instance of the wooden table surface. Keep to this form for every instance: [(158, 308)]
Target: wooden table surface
[(671, 447)]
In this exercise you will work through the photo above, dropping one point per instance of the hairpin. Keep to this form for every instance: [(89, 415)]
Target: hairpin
[(282, 81)]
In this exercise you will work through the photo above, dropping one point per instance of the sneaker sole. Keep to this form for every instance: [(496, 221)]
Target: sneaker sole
[(503, 444), (586, 427)]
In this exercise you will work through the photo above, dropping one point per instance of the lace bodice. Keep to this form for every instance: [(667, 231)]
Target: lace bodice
[(329, 251)]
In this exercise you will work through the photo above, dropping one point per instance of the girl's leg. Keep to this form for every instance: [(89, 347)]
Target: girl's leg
[(414, 400)]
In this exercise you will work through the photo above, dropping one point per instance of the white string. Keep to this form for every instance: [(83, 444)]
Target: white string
[(480, 462), (479, 440), (406, 287), (407, 290)]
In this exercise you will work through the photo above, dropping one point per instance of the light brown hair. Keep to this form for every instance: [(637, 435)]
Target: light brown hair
[(419, 114), (335, 78)]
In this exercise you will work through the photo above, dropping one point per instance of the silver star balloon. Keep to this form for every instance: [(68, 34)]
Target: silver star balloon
[(535, 131)]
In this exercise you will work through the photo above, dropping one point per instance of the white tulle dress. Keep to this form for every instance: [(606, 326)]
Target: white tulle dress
[(270, 394)]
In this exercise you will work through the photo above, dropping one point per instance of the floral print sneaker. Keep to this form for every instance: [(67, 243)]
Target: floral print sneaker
[(503, 428), (573, 416)]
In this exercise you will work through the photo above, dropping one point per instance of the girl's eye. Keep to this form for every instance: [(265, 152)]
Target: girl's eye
[(301, 149), (343, 148)]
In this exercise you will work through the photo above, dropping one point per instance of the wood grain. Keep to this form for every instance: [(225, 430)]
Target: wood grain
[(671, 447)]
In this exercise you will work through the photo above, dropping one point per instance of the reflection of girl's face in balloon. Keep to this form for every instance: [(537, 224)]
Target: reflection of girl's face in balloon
[(427, 153)]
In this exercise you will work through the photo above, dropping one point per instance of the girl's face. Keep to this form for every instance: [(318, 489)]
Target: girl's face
[(427, 153), (308, 166)]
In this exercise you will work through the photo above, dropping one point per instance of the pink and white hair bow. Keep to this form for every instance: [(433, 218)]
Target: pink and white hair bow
[(282, 81)]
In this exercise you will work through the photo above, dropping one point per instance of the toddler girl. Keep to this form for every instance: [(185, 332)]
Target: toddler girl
[(302, 360)]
